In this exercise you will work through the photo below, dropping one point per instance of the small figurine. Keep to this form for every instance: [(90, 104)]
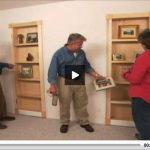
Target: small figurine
[(20, 36), (30, 57)]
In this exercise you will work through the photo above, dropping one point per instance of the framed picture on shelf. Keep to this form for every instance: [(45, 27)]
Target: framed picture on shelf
[(137, 53), (26, 71), (32, 37), (104, 83), (116, 56), (128, 31)]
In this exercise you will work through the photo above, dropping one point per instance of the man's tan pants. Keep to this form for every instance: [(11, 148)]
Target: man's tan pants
[(77, 93), (3, 109)]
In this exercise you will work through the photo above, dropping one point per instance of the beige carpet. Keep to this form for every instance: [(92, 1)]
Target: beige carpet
[(33, 128)]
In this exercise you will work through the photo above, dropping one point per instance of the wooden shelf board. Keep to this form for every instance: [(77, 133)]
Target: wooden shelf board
[(121, 82), (29, 96), (124, 40), (27, 79), (27, 62), (126, 102), (122, 62), (27, 44)]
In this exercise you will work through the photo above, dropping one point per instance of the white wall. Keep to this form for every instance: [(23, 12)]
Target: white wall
[(59, 20)]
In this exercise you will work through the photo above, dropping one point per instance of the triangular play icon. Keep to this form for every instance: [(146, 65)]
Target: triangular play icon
[(74, 75)]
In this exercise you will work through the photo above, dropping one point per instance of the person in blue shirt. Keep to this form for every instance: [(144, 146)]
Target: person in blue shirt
[(70, 54), (3, 109)]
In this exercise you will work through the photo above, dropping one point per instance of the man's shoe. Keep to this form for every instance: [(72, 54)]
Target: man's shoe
[(2, 126), (7, 118), (137, 135), (64, 128), (88, 128)]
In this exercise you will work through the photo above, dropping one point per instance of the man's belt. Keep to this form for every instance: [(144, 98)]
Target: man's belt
[(66, 77)]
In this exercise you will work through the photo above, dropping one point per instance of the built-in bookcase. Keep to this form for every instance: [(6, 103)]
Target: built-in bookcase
[(118, 110), (28, 92)]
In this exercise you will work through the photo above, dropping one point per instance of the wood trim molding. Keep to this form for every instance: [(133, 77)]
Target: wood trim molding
[(39, 22), (16, 111), (43, 114), (32, 23), (10, 25), (149, 13), (128, 15), (109, 16), (107, 121)]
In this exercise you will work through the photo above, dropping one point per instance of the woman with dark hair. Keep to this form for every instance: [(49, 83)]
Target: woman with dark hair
[(139, 89)]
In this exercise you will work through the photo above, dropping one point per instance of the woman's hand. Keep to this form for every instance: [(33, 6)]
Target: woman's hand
[(124, 70)]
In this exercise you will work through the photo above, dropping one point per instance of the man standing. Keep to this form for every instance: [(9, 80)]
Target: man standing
[(3, 109), (70, 54)]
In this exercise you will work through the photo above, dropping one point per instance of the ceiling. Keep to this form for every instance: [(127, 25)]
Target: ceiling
[(9, 4)]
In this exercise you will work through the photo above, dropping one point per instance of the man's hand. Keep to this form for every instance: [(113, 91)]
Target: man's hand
[(95, 74), (53, 89), (10, 66), (99, 76)]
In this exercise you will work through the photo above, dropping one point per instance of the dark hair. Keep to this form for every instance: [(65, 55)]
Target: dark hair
[(74, 37), (144, 38)]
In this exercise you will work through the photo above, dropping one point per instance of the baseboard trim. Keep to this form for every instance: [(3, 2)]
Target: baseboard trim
[(125, 123), (30, 113)]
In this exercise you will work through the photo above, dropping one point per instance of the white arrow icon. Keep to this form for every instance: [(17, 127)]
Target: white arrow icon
[(74, 74)]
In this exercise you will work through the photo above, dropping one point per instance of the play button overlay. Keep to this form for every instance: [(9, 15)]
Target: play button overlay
[(74, 75)]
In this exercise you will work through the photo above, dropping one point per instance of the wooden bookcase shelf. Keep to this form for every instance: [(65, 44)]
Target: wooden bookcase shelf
[(121, 102), (122, 62), (121, 82), (29, 96), (30, 44), (124, 40), (28, 92), (28, 79), (118, 103), (29, 62)]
